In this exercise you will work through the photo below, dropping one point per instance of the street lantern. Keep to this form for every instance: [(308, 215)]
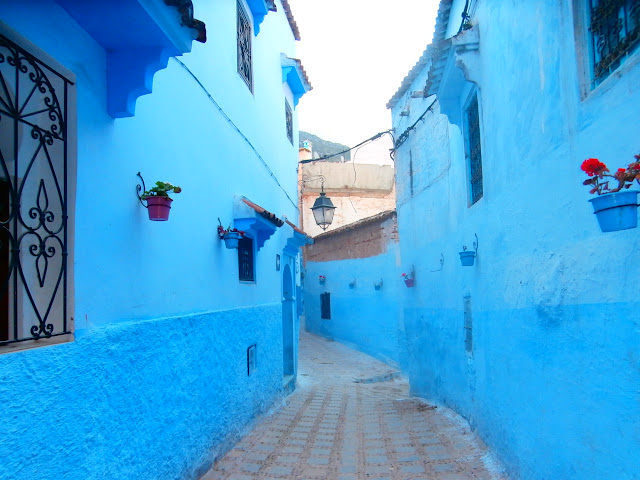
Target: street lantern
[(323, 210)]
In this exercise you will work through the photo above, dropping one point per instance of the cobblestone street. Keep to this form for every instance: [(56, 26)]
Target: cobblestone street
[(351, 417)]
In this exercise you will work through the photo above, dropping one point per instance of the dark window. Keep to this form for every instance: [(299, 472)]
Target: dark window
[(289, 120), (615, 32), (244, 47), (325, 306), (474, 154), (245, 260)]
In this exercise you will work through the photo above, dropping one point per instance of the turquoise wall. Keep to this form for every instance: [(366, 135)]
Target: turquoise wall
[(143, 400), (552, 382), (362, 317), (155, 384)]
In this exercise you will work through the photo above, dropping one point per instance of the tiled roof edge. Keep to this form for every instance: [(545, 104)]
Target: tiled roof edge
[(290, 19), (360, 223), (410, 77), (439, 33)]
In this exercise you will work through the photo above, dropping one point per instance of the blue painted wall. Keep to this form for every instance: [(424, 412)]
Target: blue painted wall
[(552, 382), (364, 318), (155, 384), (144, 400)]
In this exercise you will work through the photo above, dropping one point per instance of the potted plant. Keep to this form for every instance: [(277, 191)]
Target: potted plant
[(409, 280), (322, 279), (158, 201), (231, 236), (615, 208), (467, 257), (352, 284)]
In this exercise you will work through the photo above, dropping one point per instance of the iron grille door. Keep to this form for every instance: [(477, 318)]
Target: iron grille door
[(33, 196)]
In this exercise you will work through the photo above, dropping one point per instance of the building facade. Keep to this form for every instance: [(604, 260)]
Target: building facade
[(358, 190), (132, 348), (354, 289), (536, 343)]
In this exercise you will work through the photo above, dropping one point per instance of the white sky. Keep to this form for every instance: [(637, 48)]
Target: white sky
[(356, 53)]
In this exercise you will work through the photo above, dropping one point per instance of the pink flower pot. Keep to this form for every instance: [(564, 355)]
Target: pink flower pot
[(409, 282), (158, 208)]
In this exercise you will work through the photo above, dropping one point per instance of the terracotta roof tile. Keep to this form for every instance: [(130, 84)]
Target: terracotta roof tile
[(291, 20), (265, 213), (440, 31), (295, 227)]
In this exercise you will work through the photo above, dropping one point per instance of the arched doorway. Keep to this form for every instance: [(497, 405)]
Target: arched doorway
[(288, 330)]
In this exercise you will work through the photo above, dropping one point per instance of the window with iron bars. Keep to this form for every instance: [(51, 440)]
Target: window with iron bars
[(473, 149), (245, 68), (289, 120), (614, 28), (36, 205), (245, 260)]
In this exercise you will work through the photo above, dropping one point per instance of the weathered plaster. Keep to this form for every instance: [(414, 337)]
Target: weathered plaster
[(146, 400), (551, 383)]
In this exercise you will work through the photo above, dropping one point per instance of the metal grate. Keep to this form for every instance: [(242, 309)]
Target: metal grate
[(325, 306), (244, 47), (615, 32), (468, 326), (245, 260), (33, 197), (474, 153), (289, 120)]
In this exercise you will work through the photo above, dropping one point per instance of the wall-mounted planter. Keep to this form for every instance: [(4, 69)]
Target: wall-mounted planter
[(352, 284), (158, 203), (159, 208), (378, 285), (231, 239), (616, 211), (322, 279), (409, 282), (467, 258)]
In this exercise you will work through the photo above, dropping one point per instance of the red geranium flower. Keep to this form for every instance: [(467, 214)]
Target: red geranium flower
[(593, 166), (597, 172)]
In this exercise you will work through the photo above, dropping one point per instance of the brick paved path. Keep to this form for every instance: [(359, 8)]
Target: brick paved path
[(351, 418)]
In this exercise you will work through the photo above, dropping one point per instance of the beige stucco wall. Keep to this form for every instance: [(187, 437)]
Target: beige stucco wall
[(357, 190)]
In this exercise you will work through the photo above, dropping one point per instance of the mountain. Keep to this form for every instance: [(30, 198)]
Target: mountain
[(321, 147)]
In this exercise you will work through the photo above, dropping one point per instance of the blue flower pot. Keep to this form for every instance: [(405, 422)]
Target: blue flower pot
[(616, 211), (231, 239), (467, 258)]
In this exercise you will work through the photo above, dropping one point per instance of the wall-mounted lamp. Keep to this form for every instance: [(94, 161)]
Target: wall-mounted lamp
[(323, 207)]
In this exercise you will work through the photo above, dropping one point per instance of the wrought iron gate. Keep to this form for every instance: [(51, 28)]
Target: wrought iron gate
[(33, 196)]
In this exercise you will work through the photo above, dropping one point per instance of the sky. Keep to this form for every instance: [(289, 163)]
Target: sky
[(356, 53)]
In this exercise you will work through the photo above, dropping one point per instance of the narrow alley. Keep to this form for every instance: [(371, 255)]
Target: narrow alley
[(351, 417)]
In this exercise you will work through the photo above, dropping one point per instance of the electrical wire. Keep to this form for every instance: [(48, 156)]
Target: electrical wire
[(228, 119), (404, 135), (375, 137)]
